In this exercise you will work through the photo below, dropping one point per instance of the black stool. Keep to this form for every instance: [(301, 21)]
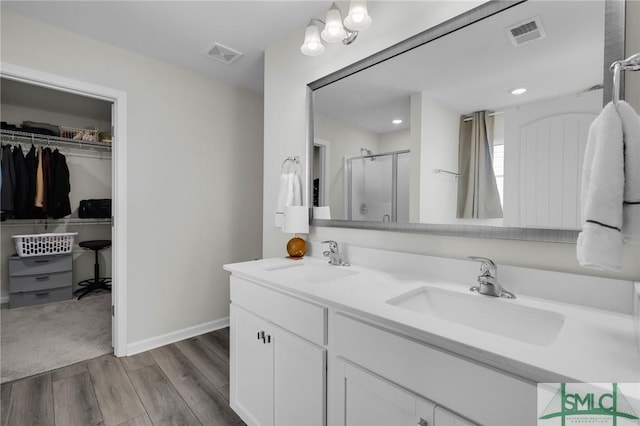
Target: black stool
[(96, 282)]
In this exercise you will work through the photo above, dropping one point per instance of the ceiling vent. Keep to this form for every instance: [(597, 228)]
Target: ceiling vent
[(223, 53), (526, 31)]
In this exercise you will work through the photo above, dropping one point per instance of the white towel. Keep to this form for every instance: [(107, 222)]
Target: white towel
[(600, 242), (631, 209), (289, 194)]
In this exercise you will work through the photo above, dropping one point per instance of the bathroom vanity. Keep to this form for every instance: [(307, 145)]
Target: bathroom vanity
[(313, 343)]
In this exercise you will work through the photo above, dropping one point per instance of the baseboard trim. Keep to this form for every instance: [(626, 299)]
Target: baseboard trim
[(176, 336), (4, 299)]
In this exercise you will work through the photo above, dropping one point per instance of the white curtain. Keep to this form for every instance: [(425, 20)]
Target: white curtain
[(478, 195)]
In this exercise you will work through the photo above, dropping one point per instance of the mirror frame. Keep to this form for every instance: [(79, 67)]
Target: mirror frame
[(613, 51)]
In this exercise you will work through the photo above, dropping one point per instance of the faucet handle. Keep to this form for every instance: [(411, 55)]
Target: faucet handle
[(487, 266), (333, 246)]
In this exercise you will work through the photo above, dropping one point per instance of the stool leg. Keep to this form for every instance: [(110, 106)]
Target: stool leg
[(96, 270)]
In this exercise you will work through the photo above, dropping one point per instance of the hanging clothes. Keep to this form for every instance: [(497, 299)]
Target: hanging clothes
[(59, 203), (39, 196), (21, 201), (7, 192), (31, 165), (47, 175)]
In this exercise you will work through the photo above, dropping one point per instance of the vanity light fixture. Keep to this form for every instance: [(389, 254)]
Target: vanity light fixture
[(396, 121), (518, 91), (334, 29)]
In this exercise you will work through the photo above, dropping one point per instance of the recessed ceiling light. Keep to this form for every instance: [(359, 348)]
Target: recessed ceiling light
[(518, 91), (397, 121)]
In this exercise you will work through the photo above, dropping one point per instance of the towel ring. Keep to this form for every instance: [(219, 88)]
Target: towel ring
[(632, 63), (288, 162)]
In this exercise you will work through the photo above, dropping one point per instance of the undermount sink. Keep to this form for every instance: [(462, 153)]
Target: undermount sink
[(503, 317), (311, 272)]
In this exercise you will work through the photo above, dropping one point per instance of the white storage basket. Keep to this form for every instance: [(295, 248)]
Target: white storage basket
[(44, 244)]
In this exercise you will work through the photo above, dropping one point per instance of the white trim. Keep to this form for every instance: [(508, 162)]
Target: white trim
[(4, 299), (176, 336), (119, 178)]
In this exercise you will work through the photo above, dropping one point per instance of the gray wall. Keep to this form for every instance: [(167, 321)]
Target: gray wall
[(193, 180)]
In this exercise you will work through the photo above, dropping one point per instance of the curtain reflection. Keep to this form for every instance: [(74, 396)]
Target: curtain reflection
[(478, 195)]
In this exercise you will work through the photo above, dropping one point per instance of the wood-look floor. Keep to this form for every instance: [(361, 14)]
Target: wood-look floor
[(185, 383)]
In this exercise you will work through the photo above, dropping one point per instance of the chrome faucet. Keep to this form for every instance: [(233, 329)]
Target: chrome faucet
[(488, 279), (334, 255)]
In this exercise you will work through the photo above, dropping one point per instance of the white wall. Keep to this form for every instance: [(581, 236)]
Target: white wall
[(194, 172), (287, 72), (399, 140), (439, 135), (345, 140)]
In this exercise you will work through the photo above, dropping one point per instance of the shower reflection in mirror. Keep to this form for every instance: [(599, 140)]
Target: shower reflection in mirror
[(377, 186)]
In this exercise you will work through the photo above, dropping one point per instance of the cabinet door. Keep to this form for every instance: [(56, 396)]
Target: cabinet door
[(299, 380), (251, 363), (443, 417), (373, 401)]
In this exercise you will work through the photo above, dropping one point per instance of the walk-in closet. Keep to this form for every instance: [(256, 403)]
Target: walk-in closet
[(48, 321)]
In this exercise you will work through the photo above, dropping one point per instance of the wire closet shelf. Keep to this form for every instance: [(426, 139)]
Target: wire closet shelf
[(14, 136)]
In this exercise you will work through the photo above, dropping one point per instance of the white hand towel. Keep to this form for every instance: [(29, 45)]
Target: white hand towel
[(600, 242), (289, 194), (285, 190), (296, 195), (631, 209)]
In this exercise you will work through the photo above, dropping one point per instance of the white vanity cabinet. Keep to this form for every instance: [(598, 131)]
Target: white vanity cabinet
[(390, 374), (277, 377), (370, 400)]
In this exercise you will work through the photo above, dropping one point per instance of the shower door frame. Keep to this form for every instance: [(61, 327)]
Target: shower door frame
[(348, 190)]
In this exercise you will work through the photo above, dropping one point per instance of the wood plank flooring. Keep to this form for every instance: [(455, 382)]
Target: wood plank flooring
[(185, 383)]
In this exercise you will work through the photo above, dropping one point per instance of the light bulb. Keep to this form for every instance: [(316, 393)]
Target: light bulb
[(312, 45), (358, 18), (333, 30)]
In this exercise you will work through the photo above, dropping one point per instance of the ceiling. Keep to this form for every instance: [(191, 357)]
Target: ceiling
[(180, 32), (475, 68)]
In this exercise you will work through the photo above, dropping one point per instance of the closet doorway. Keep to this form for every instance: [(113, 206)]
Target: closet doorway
[(13, 74)]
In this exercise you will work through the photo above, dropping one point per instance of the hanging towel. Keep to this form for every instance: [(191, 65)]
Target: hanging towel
[(631, 208), (289, 194), (600, 242)]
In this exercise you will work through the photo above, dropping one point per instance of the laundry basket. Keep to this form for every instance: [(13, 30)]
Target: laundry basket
[(44, 244)]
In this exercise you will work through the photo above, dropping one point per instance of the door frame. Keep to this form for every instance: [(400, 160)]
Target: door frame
[(118, 180), (325, 170)]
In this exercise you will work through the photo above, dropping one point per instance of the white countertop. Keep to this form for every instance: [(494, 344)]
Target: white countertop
[(593, 345)]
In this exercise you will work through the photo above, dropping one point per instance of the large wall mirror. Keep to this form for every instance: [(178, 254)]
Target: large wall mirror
[(429, 135)]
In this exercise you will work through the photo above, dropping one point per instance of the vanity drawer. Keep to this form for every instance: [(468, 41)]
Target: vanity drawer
[(39, 264), (28, 298), (303, 318), (40, 281), (456, 383)]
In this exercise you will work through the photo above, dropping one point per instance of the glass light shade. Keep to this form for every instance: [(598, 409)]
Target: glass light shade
[(312, 45), (358, 18), (333, 31), (296, 220)]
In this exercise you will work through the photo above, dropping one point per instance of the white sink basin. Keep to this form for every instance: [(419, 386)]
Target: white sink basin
[(310, 272), (503, 317)]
